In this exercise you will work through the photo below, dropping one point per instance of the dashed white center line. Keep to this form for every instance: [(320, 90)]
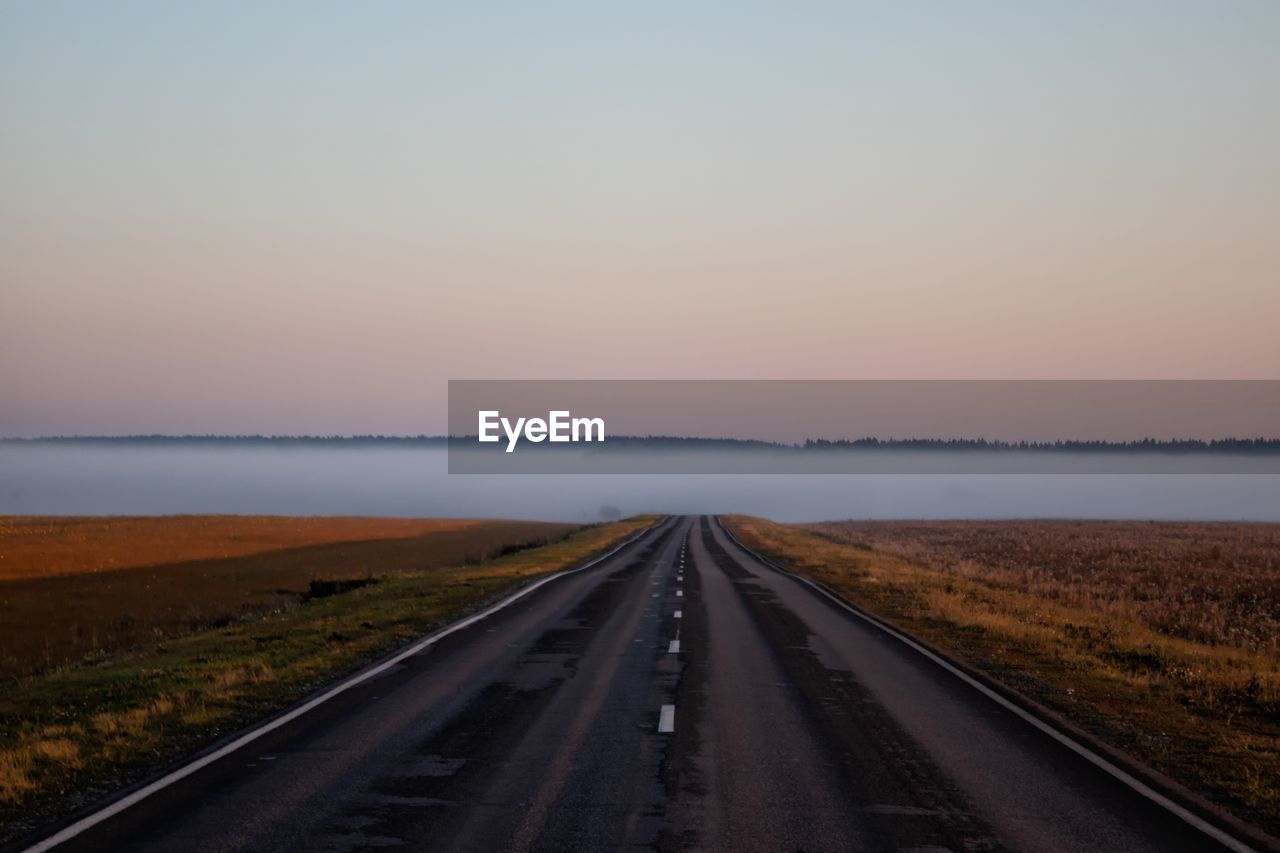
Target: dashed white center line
[(679, 614), (679, 593), (674, 647), (667, 719)]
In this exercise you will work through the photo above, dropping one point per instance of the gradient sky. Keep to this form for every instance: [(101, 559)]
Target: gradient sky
[(306, 217)]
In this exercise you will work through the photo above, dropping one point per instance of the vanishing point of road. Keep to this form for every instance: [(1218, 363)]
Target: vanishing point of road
[(678, 694)]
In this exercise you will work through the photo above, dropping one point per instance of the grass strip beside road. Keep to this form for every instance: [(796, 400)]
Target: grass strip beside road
[(1205, 715), (72, 735)]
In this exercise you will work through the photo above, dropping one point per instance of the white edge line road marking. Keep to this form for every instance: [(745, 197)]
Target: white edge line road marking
[(120, 805), (674, 648), (1227, 840), (667, 719)]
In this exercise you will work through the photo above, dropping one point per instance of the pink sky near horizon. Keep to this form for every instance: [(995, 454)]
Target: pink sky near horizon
[(309, 225)]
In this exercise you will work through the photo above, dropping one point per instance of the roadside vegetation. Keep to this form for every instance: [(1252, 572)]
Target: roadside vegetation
[(75, 732), (1160, 639)]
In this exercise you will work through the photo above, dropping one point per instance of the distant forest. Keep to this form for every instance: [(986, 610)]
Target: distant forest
[(1147, 445)]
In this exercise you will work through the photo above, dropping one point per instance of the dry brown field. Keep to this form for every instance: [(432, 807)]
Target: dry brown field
[(1210, 582), (41, 546), (79, 587)]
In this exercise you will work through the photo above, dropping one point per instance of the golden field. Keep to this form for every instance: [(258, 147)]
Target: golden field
[(1210, 582)]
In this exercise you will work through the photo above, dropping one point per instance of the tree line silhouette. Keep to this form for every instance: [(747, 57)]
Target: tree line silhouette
[(1179, 445)]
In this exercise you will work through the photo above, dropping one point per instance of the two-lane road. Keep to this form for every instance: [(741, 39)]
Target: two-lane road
[(676, 695)]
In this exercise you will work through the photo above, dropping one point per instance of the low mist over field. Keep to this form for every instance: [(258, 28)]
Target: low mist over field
[(141, 479)]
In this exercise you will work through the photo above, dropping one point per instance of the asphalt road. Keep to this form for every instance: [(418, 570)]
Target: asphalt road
[(678, 695)]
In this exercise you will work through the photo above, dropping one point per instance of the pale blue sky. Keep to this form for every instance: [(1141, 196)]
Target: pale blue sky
[(304, 217)]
